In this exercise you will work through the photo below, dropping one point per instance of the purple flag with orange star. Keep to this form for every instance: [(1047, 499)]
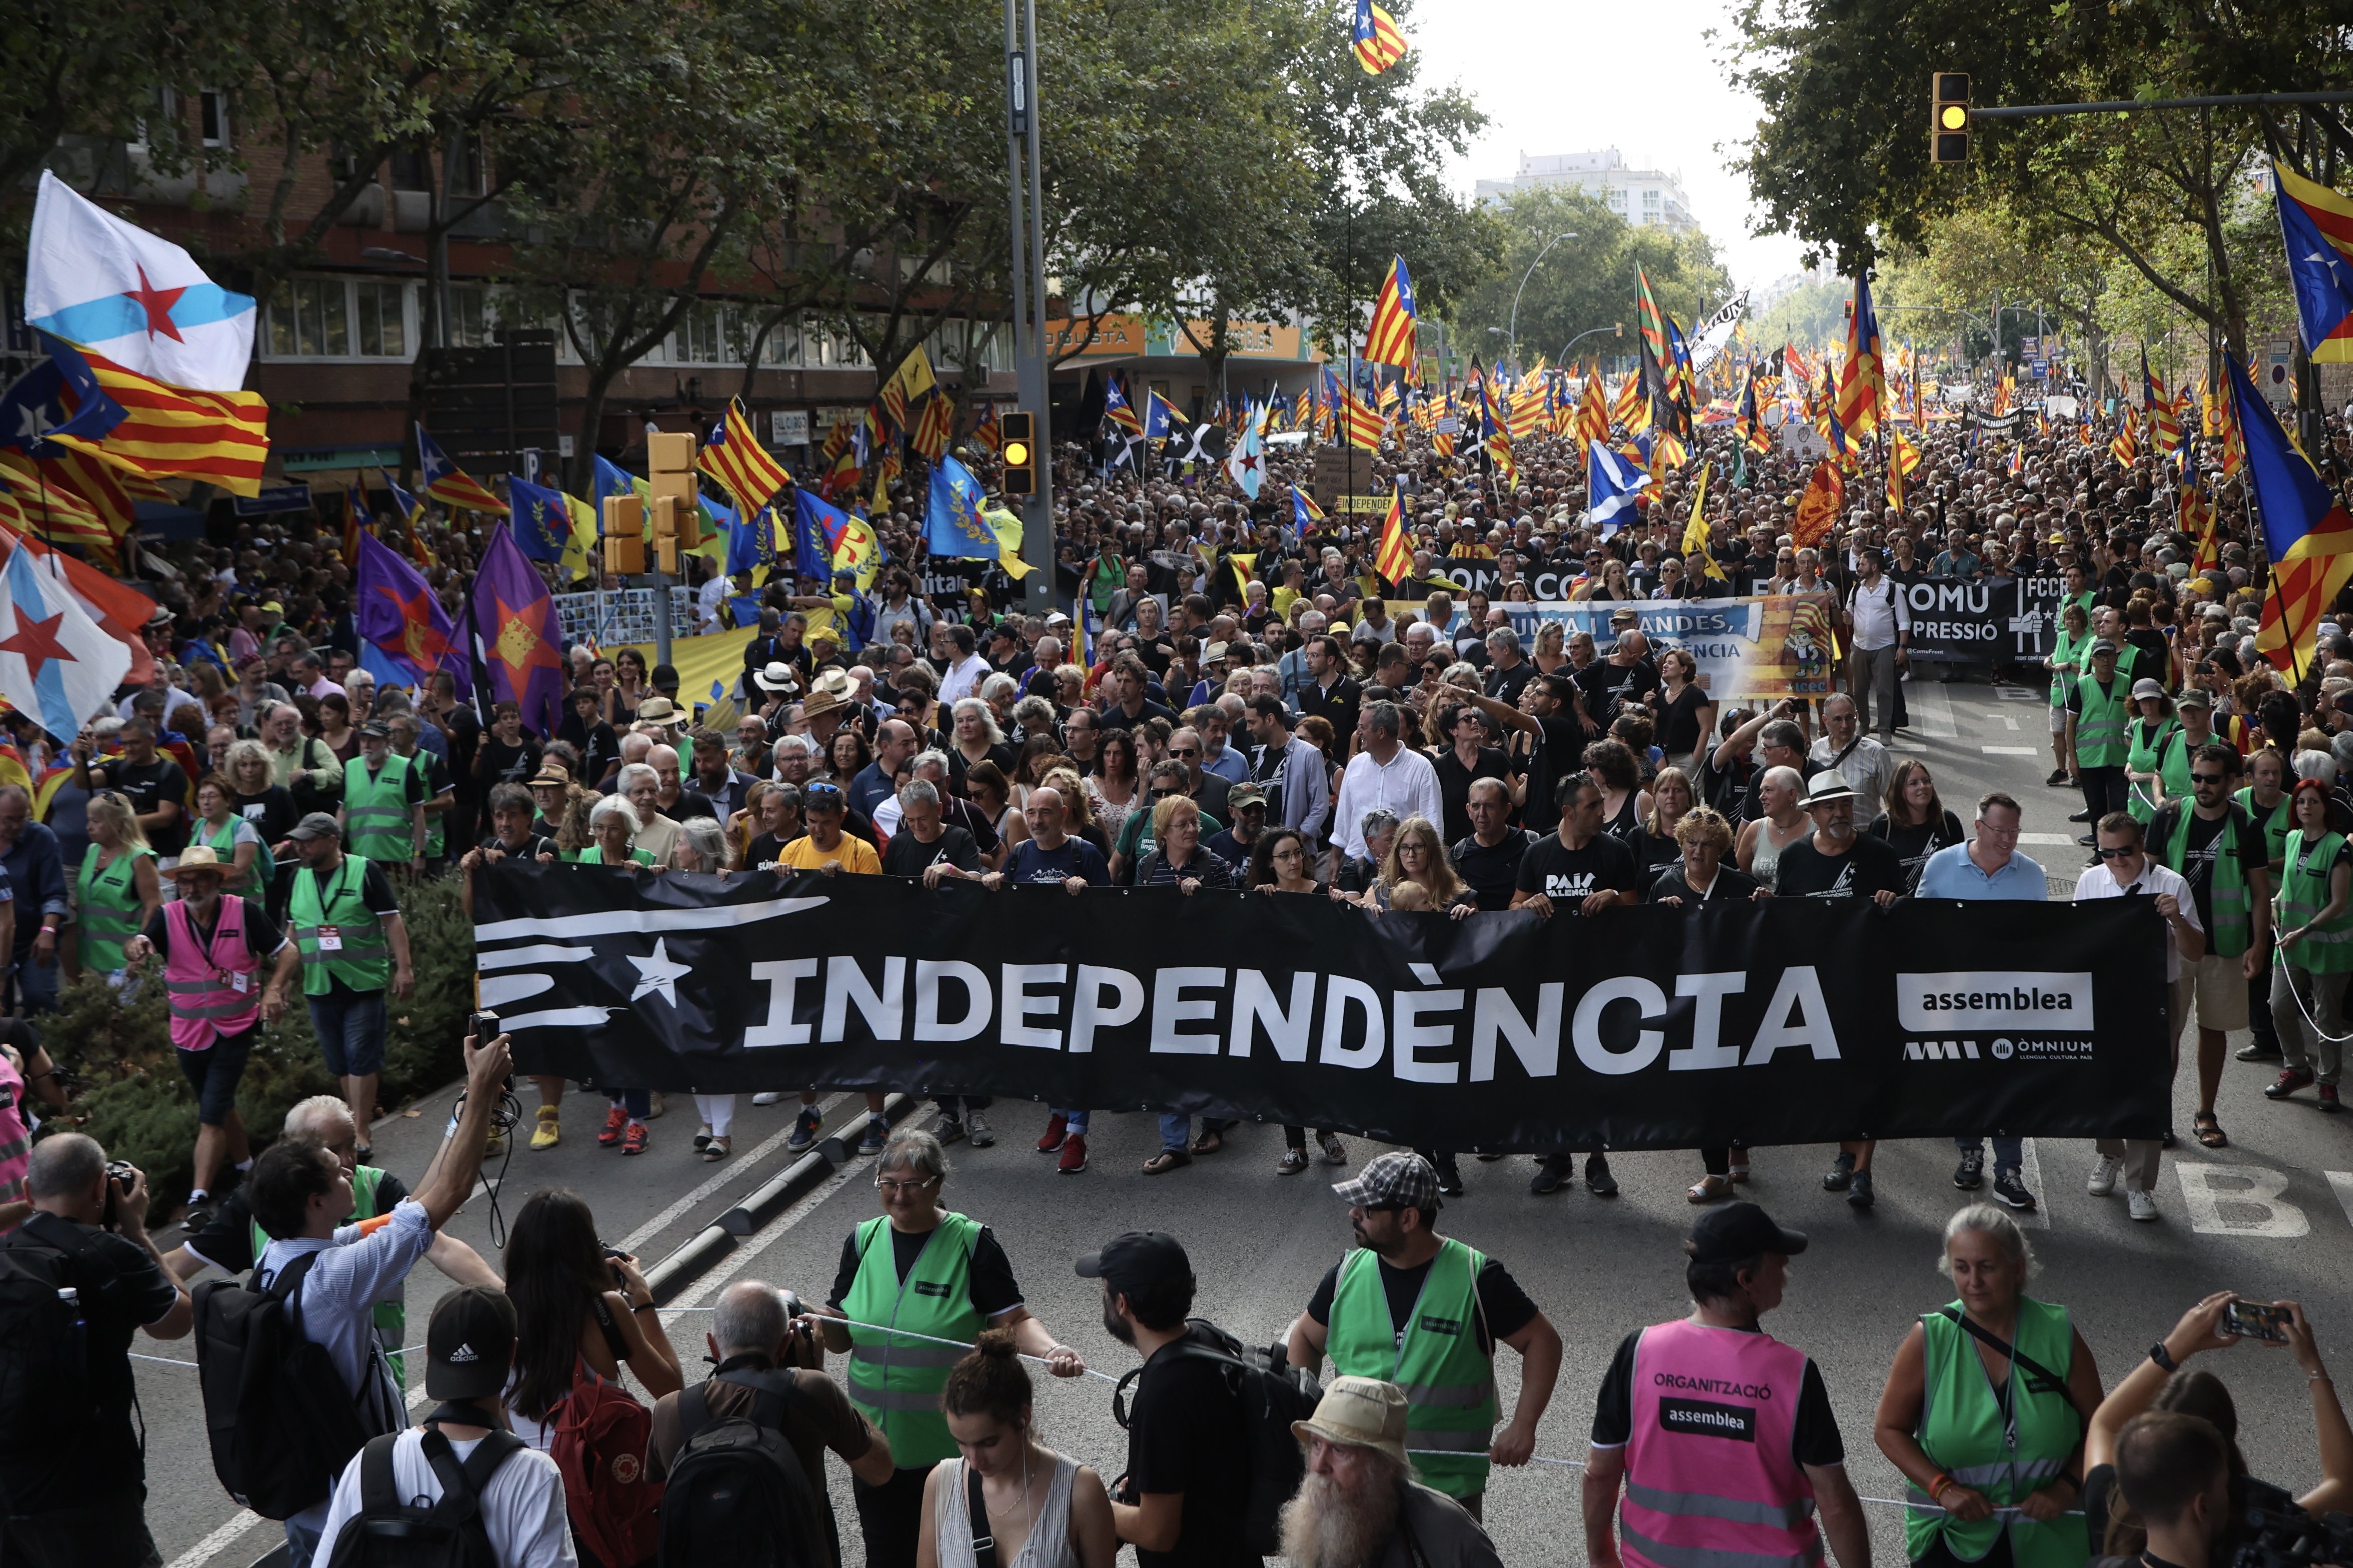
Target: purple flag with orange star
[(520, 645), (393, 607)]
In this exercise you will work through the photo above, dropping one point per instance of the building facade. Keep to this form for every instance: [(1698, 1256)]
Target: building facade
[(1643, 197)]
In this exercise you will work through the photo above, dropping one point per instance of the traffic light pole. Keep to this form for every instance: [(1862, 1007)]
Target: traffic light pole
[(1028, 230)]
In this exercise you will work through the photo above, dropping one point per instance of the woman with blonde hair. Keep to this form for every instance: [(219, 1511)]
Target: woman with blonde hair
[(1078, 808), (1417, 875), (117, 889), (1654, 843), (1552, 648)]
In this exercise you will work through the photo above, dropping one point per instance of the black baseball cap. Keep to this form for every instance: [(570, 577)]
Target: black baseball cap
[(1137, 1261), (470, 1344), (1738, 1232)]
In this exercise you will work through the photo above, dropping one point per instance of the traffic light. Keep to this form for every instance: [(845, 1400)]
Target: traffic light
[(664, 516), (625, 535), (670, 464), (1021, 454), (1948, 123)]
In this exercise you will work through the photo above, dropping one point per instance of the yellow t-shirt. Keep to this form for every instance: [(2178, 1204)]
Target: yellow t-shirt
[(854, 853)]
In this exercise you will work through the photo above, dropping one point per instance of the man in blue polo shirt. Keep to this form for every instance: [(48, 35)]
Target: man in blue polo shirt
[(1989, 867)]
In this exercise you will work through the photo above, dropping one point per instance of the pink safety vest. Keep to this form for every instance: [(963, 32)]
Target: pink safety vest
[(1710, 1478), (205, 1001), (16, 1139)]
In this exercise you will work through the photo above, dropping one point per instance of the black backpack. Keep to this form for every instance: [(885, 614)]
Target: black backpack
[(44, 1395), (281, 1424), (389, 1532), (736, 1493), (1272, 1395)]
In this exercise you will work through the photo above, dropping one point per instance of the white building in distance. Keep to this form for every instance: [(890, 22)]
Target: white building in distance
[(1640, 196)]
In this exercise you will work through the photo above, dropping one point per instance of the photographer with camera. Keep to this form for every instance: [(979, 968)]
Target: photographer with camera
[(2174, 1472), (2162, 1382), (72, 1467)]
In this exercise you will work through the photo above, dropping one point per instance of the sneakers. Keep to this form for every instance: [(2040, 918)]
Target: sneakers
[(1450, 1176), (1058, 1127), (877, 1131), (769, 1097), (1074, 1154), (616, 1122), (199, 1215), (2058, 776), (2084, 815), (2012, 1191), (1970, 1172), (2258, 1050), (977, 1128), (2289, 1081), (1840, 1174), (635, 1139), (2105, 1172), (948, 1129), (2328, 1100), (1552, 1170), (805, 1128), (1598, 1179), (1294, 1160), (1334, 1152), (548, 1132), (1859, 1192), (2141, 1204)]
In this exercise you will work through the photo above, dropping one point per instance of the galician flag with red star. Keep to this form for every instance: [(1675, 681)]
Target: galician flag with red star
[(518, 642), (393, 606), (56, 668), (93, 279)]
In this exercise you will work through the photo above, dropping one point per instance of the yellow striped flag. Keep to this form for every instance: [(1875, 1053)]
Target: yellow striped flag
[(1389, 337), (1395, 561), (733, 455), (171, 432)]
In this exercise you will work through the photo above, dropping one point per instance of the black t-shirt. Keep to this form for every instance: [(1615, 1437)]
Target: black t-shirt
[(1454, 783), (495, 762), (909, 857), (2200, 848), (1505, 685), (1678, 721), (761, 854), (599, 747), (149, 788), (1569, 877), (1915, 842), (121, 1291), (1608, 687), (1870, 867), (1504, 1308), (1492, 873), (992, 1291), (1728, 789), (271, 812), (227, 1240), (1814, 1438), (1731, 884), (1186, 1435), (1116, 717), (534, 844), (1553, 758)]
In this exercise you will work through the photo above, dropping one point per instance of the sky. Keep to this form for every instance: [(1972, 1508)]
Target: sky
[(1557, 77)]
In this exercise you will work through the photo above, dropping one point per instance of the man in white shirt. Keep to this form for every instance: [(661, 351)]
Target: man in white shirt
[(1880, 623), (470, 1348), (1867, 766), (2125, 868), (300, 1192), (968, 668), (1384, 773)]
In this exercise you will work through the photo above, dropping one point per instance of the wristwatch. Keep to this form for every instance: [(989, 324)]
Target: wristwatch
[(2163, 1357)]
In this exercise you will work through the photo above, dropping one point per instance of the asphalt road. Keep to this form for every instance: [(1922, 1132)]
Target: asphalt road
[(2267, 1216)]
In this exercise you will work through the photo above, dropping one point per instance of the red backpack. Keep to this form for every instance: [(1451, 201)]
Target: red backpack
[(597, 1436)]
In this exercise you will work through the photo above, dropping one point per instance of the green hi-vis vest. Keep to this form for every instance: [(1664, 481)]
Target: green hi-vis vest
[(2002, 1444), (2146, 754), (2304, 893), (364, 962), (434, 842), (895, 1379), (1449, 1382), (2276, 827), (223, 843), (593, 855), (106, 914), (377, 813), (2067, 648), (2233, 925), (2100, 727), (391, 1316)]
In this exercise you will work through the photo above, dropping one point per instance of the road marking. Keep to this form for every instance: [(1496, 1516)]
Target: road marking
[(2341, 1182), (2279, 1219), (220, 1541), (1932, 709), (2060, 839), (2007, 751), (670, 1216), (2020, 694), (1905, 746), (776, 1230)]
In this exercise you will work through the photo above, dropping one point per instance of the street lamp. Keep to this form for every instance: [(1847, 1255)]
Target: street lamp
[(1617, 329), (1514, 332)]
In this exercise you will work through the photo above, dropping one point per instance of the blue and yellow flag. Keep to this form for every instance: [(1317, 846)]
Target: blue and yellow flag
[(953, 525)]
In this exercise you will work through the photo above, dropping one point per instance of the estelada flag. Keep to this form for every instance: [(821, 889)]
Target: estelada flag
[(449, 484), (1379, 45), (2317, 227), (733, 455), (2307, 532), (164, 432), (1395, 561), (1817, 509), (1389, 336)]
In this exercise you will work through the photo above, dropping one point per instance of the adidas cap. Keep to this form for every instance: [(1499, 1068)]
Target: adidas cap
[(470, 1344)]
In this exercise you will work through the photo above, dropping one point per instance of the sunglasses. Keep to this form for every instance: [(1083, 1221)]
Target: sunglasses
[(1163, 794), (2121, 853), (2208, 778)]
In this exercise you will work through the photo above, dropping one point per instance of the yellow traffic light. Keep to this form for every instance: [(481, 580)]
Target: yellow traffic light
[(625, 535), (1949, 118), (1021, 454)]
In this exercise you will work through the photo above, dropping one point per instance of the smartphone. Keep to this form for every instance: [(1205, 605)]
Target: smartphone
[(2254, 1321)]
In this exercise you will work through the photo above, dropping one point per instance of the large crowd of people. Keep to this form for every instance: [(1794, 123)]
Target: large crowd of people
[(1216, 696)]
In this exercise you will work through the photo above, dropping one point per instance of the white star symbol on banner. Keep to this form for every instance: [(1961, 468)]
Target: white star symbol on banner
[(659, 973)]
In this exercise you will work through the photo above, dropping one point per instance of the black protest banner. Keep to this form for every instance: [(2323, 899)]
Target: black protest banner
[(1961, 620), (1767, 1023)]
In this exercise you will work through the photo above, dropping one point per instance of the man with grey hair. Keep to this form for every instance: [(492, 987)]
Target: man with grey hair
[(931, 767), (1625, 680), (1292, 667), (79, 1496), (638, 784), (635, 748), (1207, 789), (766, 1371), (1844, 749), (1508, 670), (1358, 1505), (1385, 773)]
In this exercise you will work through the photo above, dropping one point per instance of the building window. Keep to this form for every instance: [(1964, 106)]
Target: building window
[(1618, 198), (470, 316), (310, 319), (697, 336), (411, 170), (1650, 200), (213, 113), (383, 316)]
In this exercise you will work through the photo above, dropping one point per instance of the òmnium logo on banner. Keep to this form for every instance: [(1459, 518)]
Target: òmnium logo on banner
[(1995, 999)]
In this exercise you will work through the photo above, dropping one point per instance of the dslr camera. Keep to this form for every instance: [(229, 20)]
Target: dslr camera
[(2276, 1533)]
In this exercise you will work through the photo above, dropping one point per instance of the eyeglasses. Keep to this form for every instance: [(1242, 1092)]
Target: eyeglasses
[(891, 1189), (2120, 852)]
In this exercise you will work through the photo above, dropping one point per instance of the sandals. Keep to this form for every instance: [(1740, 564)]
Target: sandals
[(1707, 1189), (1208, 1142), (1167, 1160), (720, 1146), (2209, 1131)]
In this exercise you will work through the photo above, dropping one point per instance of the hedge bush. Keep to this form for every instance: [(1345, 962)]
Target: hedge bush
[(133, 1098)]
